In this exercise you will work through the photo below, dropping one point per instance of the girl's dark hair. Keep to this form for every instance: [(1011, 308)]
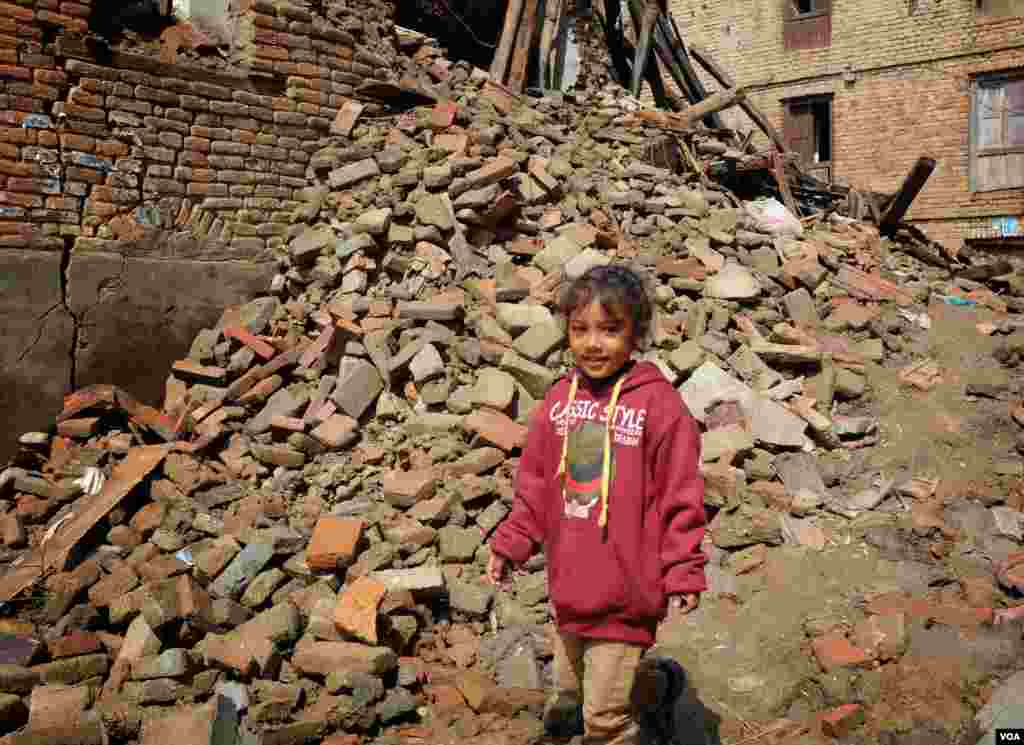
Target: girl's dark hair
[(611, 285)]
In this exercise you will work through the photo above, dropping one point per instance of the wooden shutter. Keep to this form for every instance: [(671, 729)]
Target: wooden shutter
[(813, 31), (798, 131)]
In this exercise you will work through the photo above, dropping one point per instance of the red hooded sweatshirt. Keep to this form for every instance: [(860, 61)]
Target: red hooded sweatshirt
[(611, 582)]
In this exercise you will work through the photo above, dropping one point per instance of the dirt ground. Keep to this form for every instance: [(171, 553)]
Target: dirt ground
[(751, 654)]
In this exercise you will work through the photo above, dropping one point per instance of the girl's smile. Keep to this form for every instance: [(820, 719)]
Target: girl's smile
[(601, 341)]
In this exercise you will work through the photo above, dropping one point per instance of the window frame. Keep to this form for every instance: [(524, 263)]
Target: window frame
[(822, 8), (811, 30), (975, 151), (983, 9)]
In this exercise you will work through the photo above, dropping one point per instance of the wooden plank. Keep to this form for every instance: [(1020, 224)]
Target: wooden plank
[(124, 477), (552, 17), (780, 176), (53, 553), (499, 66), (798, 130), (908, 191), (648, 18), (523, 44)]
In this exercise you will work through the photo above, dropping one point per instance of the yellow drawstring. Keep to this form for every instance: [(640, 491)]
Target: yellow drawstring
[(565, 437), (606, 470)]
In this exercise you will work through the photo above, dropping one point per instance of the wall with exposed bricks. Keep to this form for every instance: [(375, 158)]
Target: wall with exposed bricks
[(142, 192), (899, 73)]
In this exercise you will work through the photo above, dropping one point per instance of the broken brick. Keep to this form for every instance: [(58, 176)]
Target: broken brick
[(334, 542)]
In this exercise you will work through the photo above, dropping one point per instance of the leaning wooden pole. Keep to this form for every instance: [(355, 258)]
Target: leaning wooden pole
[(524, 43), (911, 187), (552, 20), (648, 18), (499, 66), (714, 103)]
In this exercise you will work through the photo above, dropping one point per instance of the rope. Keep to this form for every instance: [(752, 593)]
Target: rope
[(465, 25)]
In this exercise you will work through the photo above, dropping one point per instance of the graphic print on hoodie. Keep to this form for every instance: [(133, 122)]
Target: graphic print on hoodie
[(585, 464), (616, 505)]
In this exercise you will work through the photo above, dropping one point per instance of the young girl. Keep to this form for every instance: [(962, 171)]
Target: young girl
[(609, 486)]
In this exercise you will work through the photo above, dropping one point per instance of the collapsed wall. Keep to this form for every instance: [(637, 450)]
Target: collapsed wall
[(145, 186)]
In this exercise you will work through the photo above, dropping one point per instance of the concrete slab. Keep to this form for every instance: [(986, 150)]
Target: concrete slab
[(137, 315), (35, 359)]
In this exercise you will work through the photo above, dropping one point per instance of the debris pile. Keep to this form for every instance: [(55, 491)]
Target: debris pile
[(293, 546)]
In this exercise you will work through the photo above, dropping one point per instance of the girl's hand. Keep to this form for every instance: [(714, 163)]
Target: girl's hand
[(683, 604), (496, 568)]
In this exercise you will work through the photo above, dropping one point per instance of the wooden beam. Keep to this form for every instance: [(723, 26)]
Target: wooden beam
[(648, 18), (552, 18), (499, 65), (911, 187), (714, 103), (524, 43), (780, 176), (756, 115)]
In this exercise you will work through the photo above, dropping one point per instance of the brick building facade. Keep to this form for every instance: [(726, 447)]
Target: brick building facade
[(861, 88)]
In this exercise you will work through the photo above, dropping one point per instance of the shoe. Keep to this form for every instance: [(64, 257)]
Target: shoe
[(564, 717)]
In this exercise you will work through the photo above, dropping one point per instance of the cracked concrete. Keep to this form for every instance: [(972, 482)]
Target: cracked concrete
[(38, 333), (81, 318)]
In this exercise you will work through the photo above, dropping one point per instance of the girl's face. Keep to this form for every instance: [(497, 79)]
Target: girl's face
[(601, 341)]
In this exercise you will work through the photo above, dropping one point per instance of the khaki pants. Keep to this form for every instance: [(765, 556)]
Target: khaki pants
[(601, 673)]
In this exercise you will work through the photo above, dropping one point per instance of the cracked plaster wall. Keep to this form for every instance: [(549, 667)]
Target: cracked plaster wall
[(117, 319)]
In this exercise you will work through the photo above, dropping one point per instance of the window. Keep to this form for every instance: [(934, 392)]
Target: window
[(808, 24), (1000, 7), (807, 131), (997, 133)]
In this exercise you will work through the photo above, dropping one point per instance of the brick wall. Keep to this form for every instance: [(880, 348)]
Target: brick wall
[(908, 92), (100, 152), (143, 192)]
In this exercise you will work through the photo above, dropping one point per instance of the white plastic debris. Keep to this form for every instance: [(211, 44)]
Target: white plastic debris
[(770, 216), (92, 481)]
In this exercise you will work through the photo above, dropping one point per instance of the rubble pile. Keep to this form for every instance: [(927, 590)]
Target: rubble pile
[(293, 546)]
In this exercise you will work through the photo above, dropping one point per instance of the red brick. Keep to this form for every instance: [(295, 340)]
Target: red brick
[(356, 611), (18, 135), (27, 185), (884, 637), (21, 200), (13, 72), (11, 10), (842, 720), (260, 347), (17, 168), (342, 740), (336, 431), (57, 19), (444, 698), (334, 542), (496, 428), (78, 10), (111, 148), (89, 175), (74, 644), (149, 518), (833, 652), (78, 142)]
